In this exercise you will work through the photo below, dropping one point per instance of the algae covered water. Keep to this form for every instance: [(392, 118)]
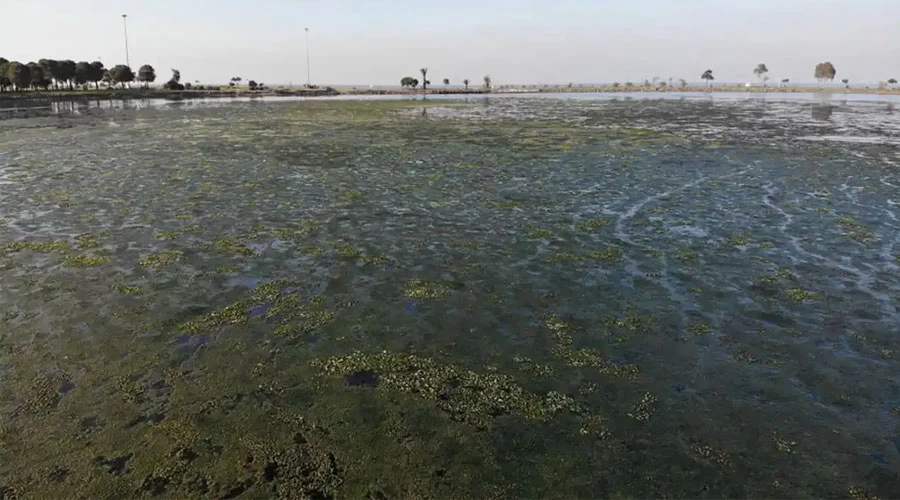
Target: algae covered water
[(490, 298)]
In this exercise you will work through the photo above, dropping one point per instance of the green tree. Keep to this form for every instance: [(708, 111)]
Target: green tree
[(408, 81), (488, 83), (65, 72), (18, 75), (50, 68), (96, 74), (252, 84), (446, 82), (174, 83), (38, 81), (146, 75), (121, 74), (892, 81), (760, 71), (846, 82), (4, 81), (424, 72), (825, 71), (708, 76), (82, 72), (466, 83)]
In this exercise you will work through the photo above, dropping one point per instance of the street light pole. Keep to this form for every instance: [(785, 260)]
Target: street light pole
[(308, 80), (125, 24)]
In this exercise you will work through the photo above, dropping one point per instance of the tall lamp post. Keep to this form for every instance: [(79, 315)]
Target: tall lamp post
[(125, 24), (308, 80)]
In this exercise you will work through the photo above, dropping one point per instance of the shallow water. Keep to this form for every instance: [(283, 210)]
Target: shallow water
[(516, 296)]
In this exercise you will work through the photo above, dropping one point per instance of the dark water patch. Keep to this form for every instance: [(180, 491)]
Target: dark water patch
[(365, 378)]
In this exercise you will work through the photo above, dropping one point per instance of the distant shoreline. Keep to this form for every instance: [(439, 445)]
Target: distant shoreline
[(127, 94)]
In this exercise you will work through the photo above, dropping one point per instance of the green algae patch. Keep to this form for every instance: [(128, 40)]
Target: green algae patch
[(39, 247), (799, 296), (563, 258), (233, 314), (644, 409), (468, 396), (129, 290), (291, 314), (346, 250), (563, 350), (234, 247), (541, 235), (87, 241), (426, 290), (160, 260), (612, 255), (81, 261), (592, 226), (168, 235)]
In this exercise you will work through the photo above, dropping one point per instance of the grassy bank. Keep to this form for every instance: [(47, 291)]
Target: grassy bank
[(68, 95)]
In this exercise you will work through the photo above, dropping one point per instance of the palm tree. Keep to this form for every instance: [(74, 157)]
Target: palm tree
[(466, 83), (708, 76), (424, 72)]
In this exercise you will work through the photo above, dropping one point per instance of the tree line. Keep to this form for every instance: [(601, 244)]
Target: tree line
[(67, 74), (413, 83)]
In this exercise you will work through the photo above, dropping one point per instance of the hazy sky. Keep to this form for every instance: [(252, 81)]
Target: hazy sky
[(516, 41)]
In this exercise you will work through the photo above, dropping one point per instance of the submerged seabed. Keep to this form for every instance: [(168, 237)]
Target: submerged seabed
[(494, 298)]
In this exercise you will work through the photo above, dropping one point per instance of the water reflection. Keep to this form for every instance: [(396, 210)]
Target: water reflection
[(822, 112)]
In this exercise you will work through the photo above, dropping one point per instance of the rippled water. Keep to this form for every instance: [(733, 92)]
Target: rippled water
[(515, 296)]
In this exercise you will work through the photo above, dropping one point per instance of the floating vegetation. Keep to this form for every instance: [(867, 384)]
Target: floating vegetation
[(856, 231), (563, 258), (611, 255), (688, 255), (643, 410), (799, 296), (82, 261), (426, 290), (592, 226), (233, 247), (541, 235), (531, 367), (740, 241), (168, 236), (271, 301), (87, 241), (710, 454), (700, 329), (784, 446), (312, 251), (162, 259), (352, 196), (561, 332), (508, 204), (594, 425), (345, 250), (129, 290), (39, 247), (471, 397)]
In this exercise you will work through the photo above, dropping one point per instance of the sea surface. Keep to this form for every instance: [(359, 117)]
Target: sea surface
[(688, 296)]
